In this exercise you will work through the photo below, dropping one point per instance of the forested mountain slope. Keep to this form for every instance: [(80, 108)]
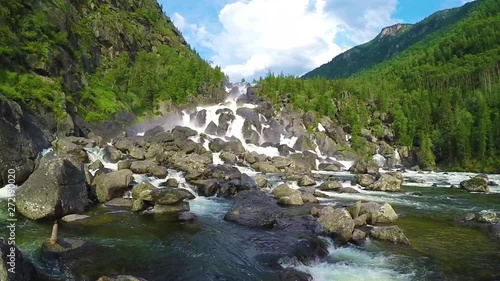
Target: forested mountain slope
[(96, 58), (441, 97), (390, 42)]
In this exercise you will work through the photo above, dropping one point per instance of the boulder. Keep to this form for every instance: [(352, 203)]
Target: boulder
[(386, 182), (487, 217), (159, 209), (199, 118), (476, 184), (365, 167), (378, 213), (74, 218), (306, 181), (207, 188), (261, 181), (165, 196), (337, 223), (154, 150), (389, 233), (211, 128), (57, 188), (330, 185), (265, 168), (304, 143), (186, 216), (364, 180), (254, 208), (309, 198), (67, 250), (14, 266), (180, 132), (358, 236), (154, 131), (66, 146), (137, 153), (228, 157), (331, 167), (96, 165), (284, 190), (292, 199), (120, 202), (170, 183), (139, 188), (112, 185)]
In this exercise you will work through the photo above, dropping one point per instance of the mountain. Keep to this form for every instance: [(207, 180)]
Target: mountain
[(437, 100), (391, 41), (97, 59)]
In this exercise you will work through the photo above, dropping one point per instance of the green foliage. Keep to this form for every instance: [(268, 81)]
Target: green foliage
[(441, 94), (106, 56)]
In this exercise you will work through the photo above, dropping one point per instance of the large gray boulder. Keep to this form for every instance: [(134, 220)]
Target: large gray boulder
[(337, 222), (55, 189), (365, 167), (476, 184), (386, 182), (254, 208), (22, 135), (377, 213), (112, 185), (14, 266), (165, 196), (390, 233)]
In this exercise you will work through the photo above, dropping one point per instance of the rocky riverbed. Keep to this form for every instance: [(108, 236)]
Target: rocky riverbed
[(234, 191)]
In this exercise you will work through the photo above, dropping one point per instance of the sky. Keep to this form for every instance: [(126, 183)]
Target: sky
[(249, 38)]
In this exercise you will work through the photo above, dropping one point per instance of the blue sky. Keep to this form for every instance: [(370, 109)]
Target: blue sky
[(248, 38)]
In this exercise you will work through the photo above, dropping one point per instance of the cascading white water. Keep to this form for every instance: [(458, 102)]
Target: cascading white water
[(379, 158), (397, 157)]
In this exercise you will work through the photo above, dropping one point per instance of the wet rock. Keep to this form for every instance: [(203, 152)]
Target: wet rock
[(138, 205), (159, 209), (159, 171), (280, 162), (354, 209), (138, 188), (333, 130), (112, 185), (386, 182), (294, 199), (153, 151), (378, 213), (119, 202), (364, 180), (285, 150), (390, 233), (211, 129), (360, 220), (320, 194), (165, 196), (154, 131), (24, 270), (492, 183), (469, 217), (265, 168), (96, 165), (199, 118), (57, 188), (261, 181), (225, 119), (67, 250), (284, 190), (302, 162), (254, 209), (487, 217), (337, 222), (358, 236), (183, 133), (331, 167), (66, 146), (74, 218), (365, 167), (314, 212), (309, 198), (170, 183), (330, 185), (186, 216), (112, 154), (306, 181), (347, 190), (476, 184), (137, 153), (207, 188), (124, 165), (142, 167), (304, 143), (228, 157)]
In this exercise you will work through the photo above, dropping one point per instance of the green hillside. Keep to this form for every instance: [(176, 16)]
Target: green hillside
[(390, 42), (97, 58), (440, 97)]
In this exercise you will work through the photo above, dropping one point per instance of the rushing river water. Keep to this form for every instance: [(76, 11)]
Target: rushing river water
[(160, 248)]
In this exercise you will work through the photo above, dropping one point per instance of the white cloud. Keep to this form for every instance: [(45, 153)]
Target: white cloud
[(289, 36)]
